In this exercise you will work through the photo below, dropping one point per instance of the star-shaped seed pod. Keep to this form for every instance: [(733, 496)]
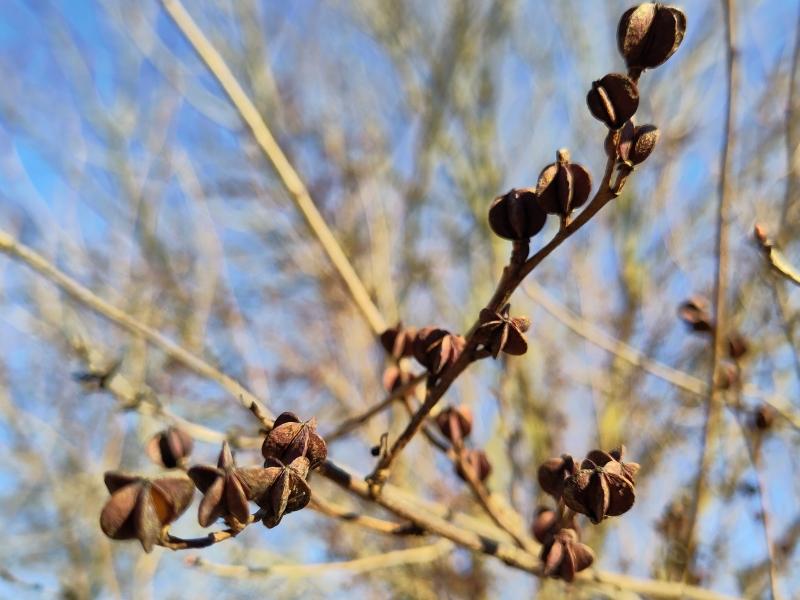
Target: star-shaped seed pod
[(227, 488), (517, 215), (694, 312), (553, 472), (565, 555), (170, 448), (455, 423), (613, 99), (287, 492), (563, 186), (632, 144), (600, 458), (436, 349), (599, 491), (503, 333), (140, 508), (649, 34), (291, 438), (398, 341), (477, 462)]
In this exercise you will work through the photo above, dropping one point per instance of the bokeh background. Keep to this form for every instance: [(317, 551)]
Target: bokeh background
[(124, 164)]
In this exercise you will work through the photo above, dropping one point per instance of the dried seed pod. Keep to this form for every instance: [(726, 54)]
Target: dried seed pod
[(436, 349), (763, 417), (398, 341), (499, 332), (649, 34), (599, 491), (563, 186), (139, 508), (565, 555), (631, 144), (170, 448), (553, 473), (455, 423), (737, 345), (288, 491), (291, 438), (227, 488), (613, 99), (477, 462), (694, 312), (516, 215), (600, 458), (394, 378)]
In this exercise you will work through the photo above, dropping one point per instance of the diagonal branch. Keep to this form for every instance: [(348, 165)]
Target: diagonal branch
[(273, 152)]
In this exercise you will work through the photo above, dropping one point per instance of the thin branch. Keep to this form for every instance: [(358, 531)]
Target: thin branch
[(395, 558), (9, 246), (273, 152), (725, 192)]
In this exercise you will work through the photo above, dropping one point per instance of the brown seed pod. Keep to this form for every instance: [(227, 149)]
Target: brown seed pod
[(563, 186), (477, 462), (170, 448), (455, 423), (613, 99), (737, 345), (599, 491), (139, 508), (565, 555), (694, 312), (436, 349), (398, 341), (291, 438), (500, 333), (516, 215), (648, 34), (631, 144), (763, 417), (553, 473), (227, 488), (288, 491)]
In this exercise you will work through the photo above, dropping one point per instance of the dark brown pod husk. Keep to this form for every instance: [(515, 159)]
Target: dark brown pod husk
[(737, 345), (227, 488), (436, 349), (565, 556), (694, 312), (516, 215), (648, 34), (763, 417), (288, 491), (547, 524), (478, 463), (290, 438), (170, 448), (552, 474), (599, 491), (563, 186), (613, 99), (498, 332), (140, 508), (632, 144), (600, 458), (455, 423), (398, 341)]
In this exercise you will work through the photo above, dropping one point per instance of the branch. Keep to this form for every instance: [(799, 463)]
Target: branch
[(725, 192), (395, 558), (272, 151), (38, 263)]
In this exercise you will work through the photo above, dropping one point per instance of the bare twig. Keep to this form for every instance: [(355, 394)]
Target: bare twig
[(272, 150), (725, 192)]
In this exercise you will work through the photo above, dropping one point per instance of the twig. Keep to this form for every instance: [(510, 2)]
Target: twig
[(512, 276), (273, 152), (714, 406), (356, 421), (330, 509), (386, 560), (9, 246)]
